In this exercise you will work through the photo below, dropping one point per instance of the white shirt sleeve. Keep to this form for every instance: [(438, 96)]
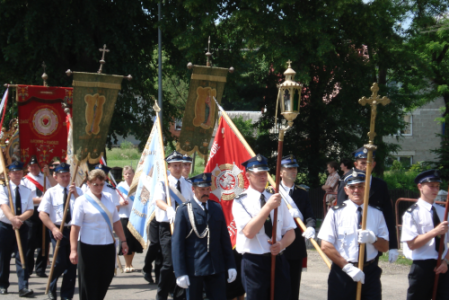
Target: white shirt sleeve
[(327, 231), (288, 222), (382, 230), (3, 195), (78, 212), (241, 216), (45, 204), (159, 191), (409, 229), (30, 205)]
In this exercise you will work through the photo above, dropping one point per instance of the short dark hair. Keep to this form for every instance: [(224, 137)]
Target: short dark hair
[(333, 164), (347, 163)]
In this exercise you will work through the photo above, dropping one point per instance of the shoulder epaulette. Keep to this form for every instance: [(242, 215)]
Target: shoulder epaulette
[(376, 207), (111, 186), (300, 187), (240, 196), (411, 208), (337, 207), (270, 190)]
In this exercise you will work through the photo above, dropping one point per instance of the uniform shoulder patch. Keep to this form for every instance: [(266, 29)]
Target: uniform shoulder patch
[(337, 207), (300, 187), (411, 208), (376, 207), (242, 195), (270, 190)]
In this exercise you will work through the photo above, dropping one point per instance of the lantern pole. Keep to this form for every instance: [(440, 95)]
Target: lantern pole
[(286, 95)]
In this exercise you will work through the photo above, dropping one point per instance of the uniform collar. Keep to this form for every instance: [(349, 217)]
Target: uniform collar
[(13, 185), (424, 204), (60, 187), (200, 204), (173, 179), (287, 189), (352, 205)]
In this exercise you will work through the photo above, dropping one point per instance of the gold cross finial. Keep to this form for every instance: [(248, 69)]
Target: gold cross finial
[(208, 54), (102, 61), (44, 76), (289, 63), (374, 100)]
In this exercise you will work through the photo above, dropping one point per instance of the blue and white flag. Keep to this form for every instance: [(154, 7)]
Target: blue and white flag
[(150, 170)]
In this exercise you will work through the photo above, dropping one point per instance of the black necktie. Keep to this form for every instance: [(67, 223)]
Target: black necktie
[(359, 217), (436, 222), (178, 187), (205, 208), (268, 226), (38, 192), (291, 192), (69, 217), (18, 202)]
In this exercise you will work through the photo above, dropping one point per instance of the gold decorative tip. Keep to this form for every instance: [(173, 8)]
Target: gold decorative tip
[(68, 72), (289, 63), (231, 70), (156, 107), (44, 76), (190, 66), (129, 77), (102, 61)]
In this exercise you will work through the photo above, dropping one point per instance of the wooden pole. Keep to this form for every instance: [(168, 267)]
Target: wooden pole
[(43, 225), (275, 214), (11, 205), (61, 228), (440, 251), (248, 148)]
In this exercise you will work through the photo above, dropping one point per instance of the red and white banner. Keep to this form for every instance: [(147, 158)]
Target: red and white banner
[(42, 122), (228, 175)]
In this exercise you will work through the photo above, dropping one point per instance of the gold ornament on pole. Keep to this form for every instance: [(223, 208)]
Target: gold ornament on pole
[(373, 101)]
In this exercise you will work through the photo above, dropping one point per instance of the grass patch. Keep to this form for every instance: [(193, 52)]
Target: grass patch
[(117, 154), (401, 260)]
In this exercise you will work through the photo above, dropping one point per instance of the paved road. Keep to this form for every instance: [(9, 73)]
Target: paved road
[(132, 286)]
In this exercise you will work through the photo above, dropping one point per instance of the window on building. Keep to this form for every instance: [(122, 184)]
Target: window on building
[(406, 161), (407, 131)]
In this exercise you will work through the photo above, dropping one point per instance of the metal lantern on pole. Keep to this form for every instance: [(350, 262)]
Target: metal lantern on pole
[(289, 95)]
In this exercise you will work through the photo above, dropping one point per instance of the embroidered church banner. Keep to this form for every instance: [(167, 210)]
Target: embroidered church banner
[(94, 97), (201, 112), (42, 126)]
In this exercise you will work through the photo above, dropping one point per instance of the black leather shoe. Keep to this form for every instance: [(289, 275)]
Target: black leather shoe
[(148, 278), (51, 296), (25, 292), (66, 298), (3, 291), (43, 275)]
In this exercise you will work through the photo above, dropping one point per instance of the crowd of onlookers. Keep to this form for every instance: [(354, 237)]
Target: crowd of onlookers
[(334, 178)]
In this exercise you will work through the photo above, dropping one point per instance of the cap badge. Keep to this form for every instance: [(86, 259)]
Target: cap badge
[(259, 158), (204, 177), (436, 174), (354, 173), (16, 163), (365, 150)]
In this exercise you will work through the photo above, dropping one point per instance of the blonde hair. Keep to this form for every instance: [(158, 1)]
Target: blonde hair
[(128, 168), (96, 174)]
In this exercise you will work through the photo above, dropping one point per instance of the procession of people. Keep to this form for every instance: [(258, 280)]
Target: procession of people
[(197, 257)]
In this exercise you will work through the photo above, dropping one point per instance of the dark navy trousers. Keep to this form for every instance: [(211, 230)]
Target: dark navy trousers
[(421, 279), (215, 286), (256, 273), (63, 266), (8, 245)]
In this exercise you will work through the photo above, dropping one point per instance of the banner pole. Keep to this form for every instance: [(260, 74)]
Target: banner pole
[(248, 148), (11, 205), (61, 228), (43, 225)]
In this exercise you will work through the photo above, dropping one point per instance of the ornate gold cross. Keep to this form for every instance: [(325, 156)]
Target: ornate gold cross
[(102, 61), (44, 76), (374, 100)]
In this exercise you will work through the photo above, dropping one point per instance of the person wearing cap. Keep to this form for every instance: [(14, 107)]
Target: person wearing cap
[(92, 242), (51, 211), (108, 188), (341, 235), (423, 230), (34, 180), (202, 251), (22, 199), (378, 196), (186, 166), (180, 191), (296, 252), (253, 212)]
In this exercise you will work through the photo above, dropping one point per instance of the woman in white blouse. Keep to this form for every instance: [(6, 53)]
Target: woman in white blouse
[(93, 219), (124, 211)]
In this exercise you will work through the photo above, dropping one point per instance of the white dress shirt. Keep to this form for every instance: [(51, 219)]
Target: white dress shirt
[(340, 229), (159, 194), (53, 203), (124, 211), (201, 203), (26, 198), (39, 178), (248, 206), (106, 189), (94, 229), (419, 221)]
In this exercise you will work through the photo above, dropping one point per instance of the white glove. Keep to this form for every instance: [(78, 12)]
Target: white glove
[(366, 236), (171, 214), (183, 281), (393, 255), (296, 213), (232, 275), (355, 273), (309, 233)]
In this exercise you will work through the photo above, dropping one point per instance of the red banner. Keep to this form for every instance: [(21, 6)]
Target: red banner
[(42, 122), (228, 175)]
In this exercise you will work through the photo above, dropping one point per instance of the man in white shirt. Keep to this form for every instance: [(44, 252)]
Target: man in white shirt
[(423, 230), (180, 191), (341, 235), (34, 180), (51, 212), (253, 213), (22, 199)]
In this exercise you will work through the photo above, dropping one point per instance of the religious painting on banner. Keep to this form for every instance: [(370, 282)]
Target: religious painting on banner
[(201, 112), (228, 175), (42, 125), (94, 97)]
